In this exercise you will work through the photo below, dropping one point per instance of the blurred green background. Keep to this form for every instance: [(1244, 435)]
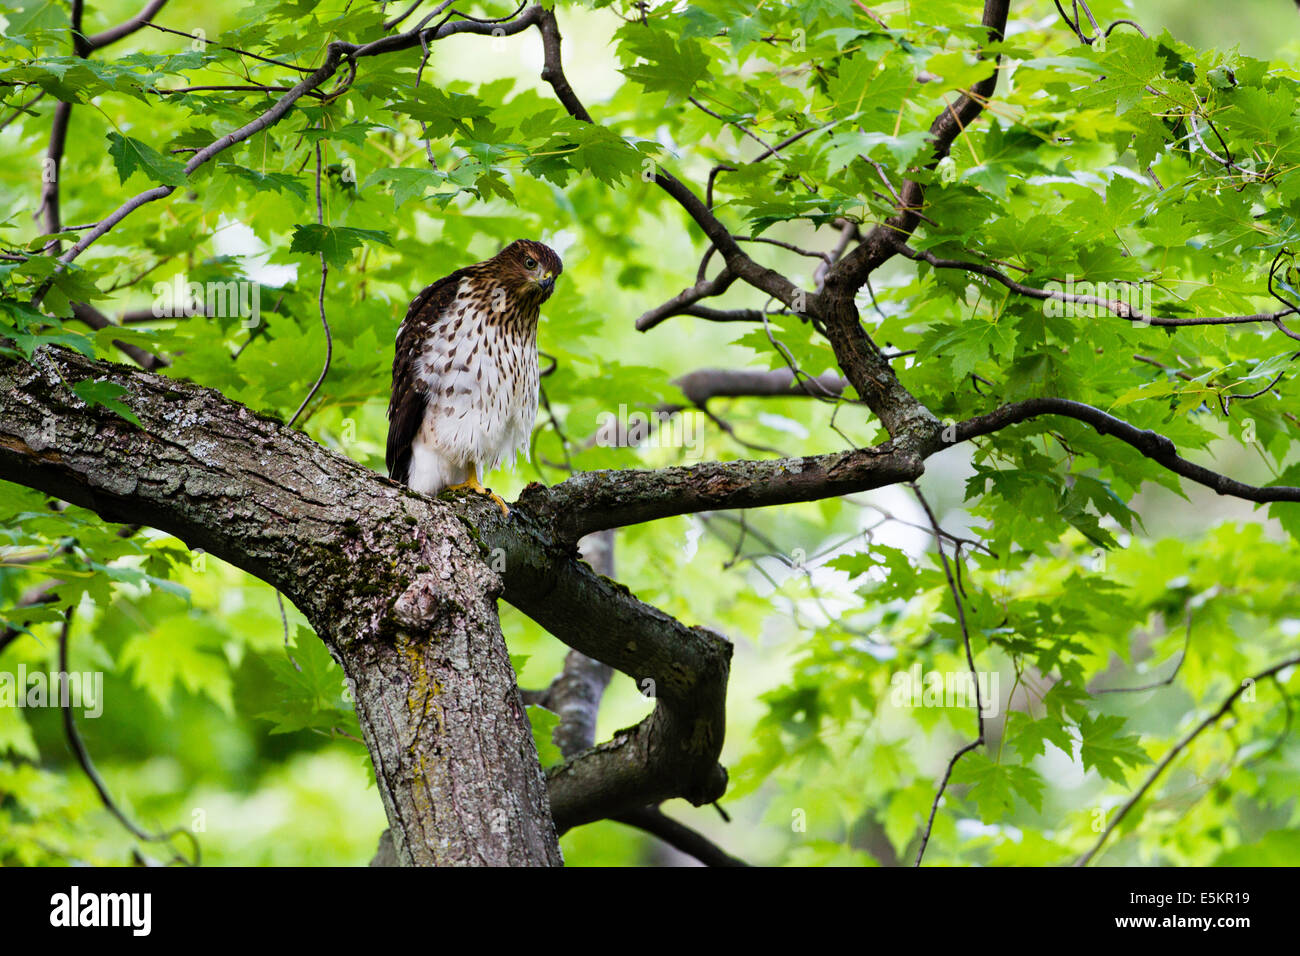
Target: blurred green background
[(198, 753)]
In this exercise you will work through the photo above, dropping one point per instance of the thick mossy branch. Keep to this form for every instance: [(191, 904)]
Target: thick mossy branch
[(392, 582), (596, 500), (372, 565), (674, 752)]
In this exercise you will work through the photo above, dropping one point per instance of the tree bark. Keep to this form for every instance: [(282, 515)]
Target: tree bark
[(393, 583), (400, 588)]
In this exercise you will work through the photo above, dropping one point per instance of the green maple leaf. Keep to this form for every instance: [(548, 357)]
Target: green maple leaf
[(263, 182), (106, 395), (901, 150), (1066, 699), (863, 85), (442, 112), (310, 693), (995, 786), (544, 723), (1130, 63), (336, 243), (130, 155), (972, 342), (1104, 750), (179, 650), (35, 18), (1030, 737), (1263, 116), (673, 64), (606, 155), (408, 184)]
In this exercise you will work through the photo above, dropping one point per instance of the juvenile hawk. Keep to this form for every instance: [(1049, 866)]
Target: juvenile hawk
[(465, 372)]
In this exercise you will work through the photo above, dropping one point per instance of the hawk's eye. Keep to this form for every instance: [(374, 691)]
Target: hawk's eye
[(530, 263)]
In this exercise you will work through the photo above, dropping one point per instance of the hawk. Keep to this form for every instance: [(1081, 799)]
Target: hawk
[(465, 373)]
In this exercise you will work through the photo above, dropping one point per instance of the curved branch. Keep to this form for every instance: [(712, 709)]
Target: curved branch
[(596, 500), (683, 303), (679, 836), (1151, 444), (881, 243), (82, 755), (574, 696), (673, 752), (738, 263), (53, 220), (126, 28), (1121, 309), (1178, 748)]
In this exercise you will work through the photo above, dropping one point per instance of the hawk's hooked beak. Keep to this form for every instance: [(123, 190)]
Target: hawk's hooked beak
[(547, 282)]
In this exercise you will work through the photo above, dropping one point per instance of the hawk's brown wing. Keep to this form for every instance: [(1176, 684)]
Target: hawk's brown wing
[(409, 397)]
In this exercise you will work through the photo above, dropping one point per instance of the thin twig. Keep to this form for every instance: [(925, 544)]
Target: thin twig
[(231, 49), (320, 299), (679, 836), (1187, 642), (78, 747), (1178, 748), (20, 110), (970, 663)]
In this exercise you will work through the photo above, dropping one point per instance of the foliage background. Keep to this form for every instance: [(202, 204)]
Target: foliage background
[(205, 719)]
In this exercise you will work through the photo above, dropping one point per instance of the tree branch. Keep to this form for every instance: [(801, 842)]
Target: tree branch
[(82, 755), (575, 697), (1122, 309), (314, 524), (738, 263), (394, 584), (881, 243), (684, 302), (858, 356), (1151, 444), (596, 500), (679, 836), (126, 28), (707, 383), (674, 751), (1178, 748)]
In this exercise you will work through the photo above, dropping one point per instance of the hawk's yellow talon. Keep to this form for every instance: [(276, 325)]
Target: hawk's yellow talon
[(476, 486), (470, 485)]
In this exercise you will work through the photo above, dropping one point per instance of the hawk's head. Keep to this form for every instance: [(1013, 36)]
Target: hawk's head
[(528, 269)]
